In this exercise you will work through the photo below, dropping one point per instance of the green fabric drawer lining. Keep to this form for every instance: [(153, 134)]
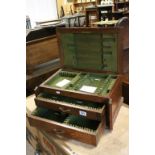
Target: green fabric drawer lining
[(71, 120), (83, 79), (72, 101)]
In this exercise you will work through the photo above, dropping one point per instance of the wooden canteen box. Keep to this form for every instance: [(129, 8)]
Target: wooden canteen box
[(85, 96)]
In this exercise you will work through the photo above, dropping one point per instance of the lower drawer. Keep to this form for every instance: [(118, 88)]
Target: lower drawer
[(75, 127)]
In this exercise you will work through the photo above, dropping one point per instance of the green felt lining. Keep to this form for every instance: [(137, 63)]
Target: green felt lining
[(75, 121), (61, 76), (50, 114), (103, 82), (72, 101), (82, 122), (90, 51)]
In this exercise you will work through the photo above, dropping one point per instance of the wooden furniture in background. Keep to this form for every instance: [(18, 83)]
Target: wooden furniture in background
[(42, 60), (40, 74), (74, 20), (80, 5), (42, 55), (105, 8), (121, 5), (97, 10), (40, 51), (91, 11), (110, 11)]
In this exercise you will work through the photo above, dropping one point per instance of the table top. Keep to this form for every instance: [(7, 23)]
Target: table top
[(111, 143)]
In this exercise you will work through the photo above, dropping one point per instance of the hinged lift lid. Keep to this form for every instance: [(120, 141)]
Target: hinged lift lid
[(91, 49)]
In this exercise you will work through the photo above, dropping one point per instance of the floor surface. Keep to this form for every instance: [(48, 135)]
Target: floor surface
[(29, 149)]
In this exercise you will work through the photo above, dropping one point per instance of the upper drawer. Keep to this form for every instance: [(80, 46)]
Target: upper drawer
[(88, 109), (76, 127)]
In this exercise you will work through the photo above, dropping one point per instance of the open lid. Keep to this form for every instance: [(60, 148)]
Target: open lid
[(91, 49)]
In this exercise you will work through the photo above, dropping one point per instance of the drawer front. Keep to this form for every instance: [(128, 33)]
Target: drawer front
[(66, 130), (88, 112)]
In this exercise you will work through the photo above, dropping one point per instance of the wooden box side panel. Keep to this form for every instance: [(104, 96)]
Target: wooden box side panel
[(61, 129), (100, 131), (42, 51), (114, 104)]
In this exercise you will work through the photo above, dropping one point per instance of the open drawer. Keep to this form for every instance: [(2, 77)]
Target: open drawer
[(88, 109), (75, 127)]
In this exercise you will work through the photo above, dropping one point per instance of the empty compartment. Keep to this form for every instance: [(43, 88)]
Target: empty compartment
[(61, 80)]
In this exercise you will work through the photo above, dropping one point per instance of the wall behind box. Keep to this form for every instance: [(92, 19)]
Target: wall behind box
[(41, 10)]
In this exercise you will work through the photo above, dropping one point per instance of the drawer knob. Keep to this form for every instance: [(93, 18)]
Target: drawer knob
[(63, 110)]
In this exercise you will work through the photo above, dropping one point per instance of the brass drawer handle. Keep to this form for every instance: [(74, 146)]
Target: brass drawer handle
[(58, 131), (63, 110)]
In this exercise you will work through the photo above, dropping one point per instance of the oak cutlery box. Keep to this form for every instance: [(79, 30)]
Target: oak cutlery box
[(85, 95)]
